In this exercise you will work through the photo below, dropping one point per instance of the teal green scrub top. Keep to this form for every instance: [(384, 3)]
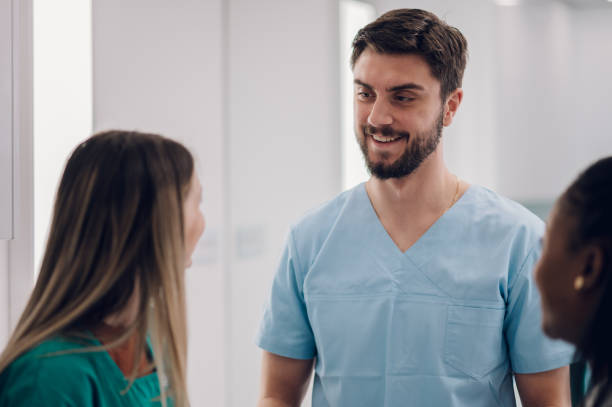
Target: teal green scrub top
[(86, 379), (445, 323)]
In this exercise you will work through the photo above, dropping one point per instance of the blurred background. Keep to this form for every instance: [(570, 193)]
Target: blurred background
[(260, 91)]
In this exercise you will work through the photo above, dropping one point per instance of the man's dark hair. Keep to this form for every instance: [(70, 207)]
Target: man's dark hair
[(419, 32)]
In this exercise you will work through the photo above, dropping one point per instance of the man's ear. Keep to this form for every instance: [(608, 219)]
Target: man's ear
[(451, 105)]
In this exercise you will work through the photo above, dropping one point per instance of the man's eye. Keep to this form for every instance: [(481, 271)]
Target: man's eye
[(401, 98), (363, 95)]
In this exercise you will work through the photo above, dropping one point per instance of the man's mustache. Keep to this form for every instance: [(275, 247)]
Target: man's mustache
[(386, 131)]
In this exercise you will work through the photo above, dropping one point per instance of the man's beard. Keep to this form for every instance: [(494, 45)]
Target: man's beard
[(417, 150)]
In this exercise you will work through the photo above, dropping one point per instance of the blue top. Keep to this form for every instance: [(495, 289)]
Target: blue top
[(443, 324), (81, 379)]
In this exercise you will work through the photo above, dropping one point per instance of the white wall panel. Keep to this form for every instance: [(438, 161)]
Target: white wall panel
[(62, 100), (284, 151), (535, 99), (6, 121), (592, 133), (16, 258), (6, 160)]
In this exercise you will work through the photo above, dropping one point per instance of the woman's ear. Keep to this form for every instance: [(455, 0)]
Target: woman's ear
[(592, 273)]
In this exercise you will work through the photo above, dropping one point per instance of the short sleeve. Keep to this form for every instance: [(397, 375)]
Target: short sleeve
[(285, 328), (34, 396), (32, 385), (531, 351)]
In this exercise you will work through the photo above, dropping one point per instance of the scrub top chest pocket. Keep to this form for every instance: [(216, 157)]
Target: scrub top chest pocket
[(474, 343)]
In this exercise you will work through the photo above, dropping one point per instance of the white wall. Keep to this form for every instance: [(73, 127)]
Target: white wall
[(173, 69), (284, 152), (62, 100), (158, 66), (6, 156), (16, 255), (554, 61), (267, 149), (6, 121), (591, 83), (535, 96)]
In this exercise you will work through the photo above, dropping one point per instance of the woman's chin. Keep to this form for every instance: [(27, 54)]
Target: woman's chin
[(550, 330), (557, 332)]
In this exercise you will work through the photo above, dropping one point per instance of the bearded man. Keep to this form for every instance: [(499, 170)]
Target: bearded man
[(414, 288)]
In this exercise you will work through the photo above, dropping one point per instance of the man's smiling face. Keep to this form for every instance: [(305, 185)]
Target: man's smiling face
[(398, 112)]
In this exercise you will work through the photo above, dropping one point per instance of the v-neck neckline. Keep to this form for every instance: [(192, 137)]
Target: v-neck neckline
[(430, 230), (116, 370)]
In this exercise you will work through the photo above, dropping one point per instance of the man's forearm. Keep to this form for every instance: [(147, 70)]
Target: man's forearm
[(545, 389)]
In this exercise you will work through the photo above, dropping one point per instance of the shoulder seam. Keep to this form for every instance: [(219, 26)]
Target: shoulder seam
[(297, 266), (331, 229), (523, 266)]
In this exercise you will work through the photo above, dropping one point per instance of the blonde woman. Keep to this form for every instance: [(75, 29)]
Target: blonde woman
[(105, 324)]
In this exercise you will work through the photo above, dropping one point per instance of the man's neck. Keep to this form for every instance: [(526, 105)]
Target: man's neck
[(408, 206), (429, 190)]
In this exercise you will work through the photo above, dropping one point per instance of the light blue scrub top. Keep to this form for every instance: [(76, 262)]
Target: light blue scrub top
[(443, 324)]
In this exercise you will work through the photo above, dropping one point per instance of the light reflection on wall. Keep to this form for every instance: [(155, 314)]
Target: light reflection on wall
[(353, 16), (62, 99)]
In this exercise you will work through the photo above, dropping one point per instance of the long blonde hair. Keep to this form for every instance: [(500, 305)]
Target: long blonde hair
[(117, 222)]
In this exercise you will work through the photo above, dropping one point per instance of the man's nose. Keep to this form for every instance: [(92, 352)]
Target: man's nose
[(380, 115)]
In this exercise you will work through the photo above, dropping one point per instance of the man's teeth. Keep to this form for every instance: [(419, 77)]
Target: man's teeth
[(383, 139)]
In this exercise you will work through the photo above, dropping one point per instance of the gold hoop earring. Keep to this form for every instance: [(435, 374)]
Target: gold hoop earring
[(578, 283)]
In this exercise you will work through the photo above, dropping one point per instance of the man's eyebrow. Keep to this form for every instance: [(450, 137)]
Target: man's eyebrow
[(358, 82), (404, 86)]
